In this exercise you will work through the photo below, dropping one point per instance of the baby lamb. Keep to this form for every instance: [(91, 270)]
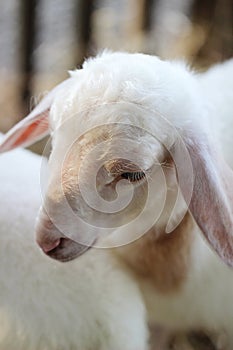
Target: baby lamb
[(142, 159), (89, 304)]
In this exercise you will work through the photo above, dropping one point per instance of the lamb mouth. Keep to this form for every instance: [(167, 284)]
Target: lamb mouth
[(68, 250)]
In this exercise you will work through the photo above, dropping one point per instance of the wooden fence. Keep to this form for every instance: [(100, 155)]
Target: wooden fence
[(207, 39)]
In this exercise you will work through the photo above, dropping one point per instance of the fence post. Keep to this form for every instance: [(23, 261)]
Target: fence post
[(27, 45), (216, 18), (147, 21), (139, 28), (83, 28)]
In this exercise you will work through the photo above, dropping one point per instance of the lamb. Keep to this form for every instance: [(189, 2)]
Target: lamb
[(88, 304), (136, 142)]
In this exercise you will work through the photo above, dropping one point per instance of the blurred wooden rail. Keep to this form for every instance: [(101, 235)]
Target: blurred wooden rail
[(211, 19), (83, 28)]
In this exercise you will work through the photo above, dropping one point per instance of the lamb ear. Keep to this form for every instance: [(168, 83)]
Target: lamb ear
[(33, 127), (212, 199)]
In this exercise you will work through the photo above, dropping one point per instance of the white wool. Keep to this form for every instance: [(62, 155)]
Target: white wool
[(189, 102), (217, 86), (167, 87), (89, 303)]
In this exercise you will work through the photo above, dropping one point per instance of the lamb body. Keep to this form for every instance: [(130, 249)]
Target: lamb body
[(184, 283)]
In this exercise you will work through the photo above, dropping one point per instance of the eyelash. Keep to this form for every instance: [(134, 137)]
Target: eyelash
[(133, 177)]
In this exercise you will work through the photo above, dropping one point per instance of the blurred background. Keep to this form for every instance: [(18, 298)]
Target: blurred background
[(41, 40)]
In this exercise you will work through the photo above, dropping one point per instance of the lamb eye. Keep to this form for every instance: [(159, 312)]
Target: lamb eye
[(134, 176)]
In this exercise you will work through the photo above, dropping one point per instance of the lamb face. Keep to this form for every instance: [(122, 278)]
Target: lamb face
[(110, 165), (99, 183)]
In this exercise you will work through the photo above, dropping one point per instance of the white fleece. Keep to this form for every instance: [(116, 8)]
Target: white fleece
[(187, 100)]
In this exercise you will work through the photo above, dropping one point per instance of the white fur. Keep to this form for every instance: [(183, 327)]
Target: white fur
[(205, 299), (88, 304), (217, 87), (187, 100)]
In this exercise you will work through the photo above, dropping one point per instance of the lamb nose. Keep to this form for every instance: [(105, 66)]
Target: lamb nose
[(48, 246)]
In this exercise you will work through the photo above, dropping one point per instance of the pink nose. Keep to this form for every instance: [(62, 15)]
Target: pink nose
[(54, 243), (48, 246)]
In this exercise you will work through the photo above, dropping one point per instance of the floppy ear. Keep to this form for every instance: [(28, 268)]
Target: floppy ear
[(33, 127), (212, 199)]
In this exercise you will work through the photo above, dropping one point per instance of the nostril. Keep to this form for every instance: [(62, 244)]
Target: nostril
[(48, 246)]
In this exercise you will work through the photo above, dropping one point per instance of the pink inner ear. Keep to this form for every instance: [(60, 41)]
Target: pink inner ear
[(31, 132), (26, 132), (35, 126)]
